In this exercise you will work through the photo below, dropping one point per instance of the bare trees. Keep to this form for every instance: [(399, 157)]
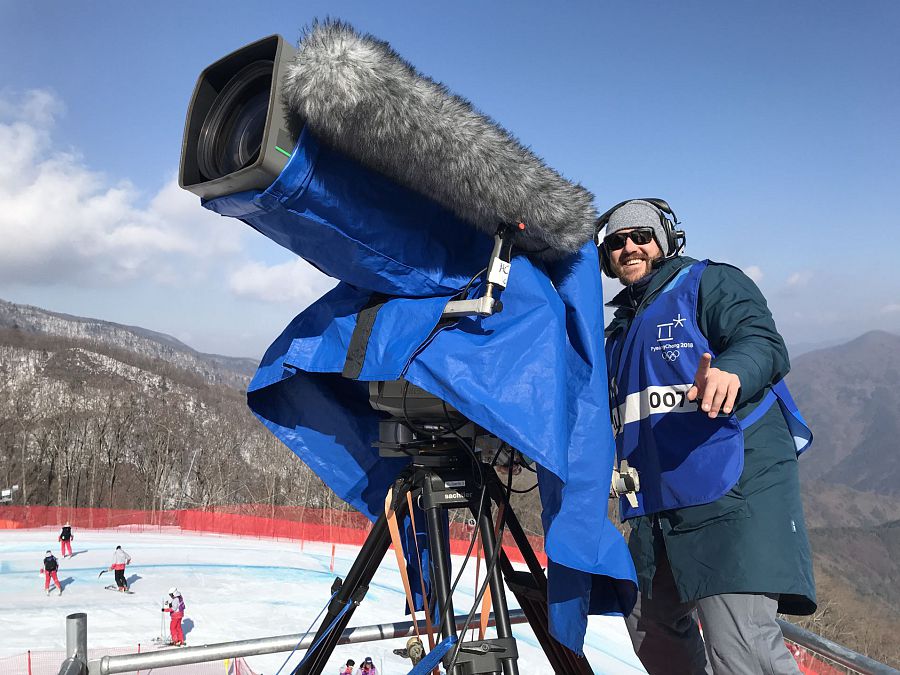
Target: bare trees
[(85, 428)]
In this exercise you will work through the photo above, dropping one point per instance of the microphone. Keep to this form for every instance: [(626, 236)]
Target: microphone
[(359, 96)]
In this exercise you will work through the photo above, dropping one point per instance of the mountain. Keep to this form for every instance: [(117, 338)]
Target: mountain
[(851, 489), (96, 414), (214, 368), (828, 505), (849, 396)]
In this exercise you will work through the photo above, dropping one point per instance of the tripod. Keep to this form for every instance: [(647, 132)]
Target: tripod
[(441, 480)]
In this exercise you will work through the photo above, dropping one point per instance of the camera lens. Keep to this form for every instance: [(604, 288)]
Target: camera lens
[(232, 132)]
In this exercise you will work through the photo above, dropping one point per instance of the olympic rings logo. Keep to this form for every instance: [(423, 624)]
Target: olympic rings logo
[(671, 356)]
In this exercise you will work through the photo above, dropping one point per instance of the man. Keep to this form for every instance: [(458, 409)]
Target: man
[(49, 570), (367, 667), (175, 608), (695, 365), (120, 560), (65, 540)]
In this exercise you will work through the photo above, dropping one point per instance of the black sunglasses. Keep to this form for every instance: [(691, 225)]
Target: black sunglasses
[(617, 240)]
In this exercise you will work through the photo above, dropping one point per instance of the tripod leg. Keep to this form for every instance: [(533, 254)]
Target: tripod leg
[(440, 557), (498, 592), (352, 591), (530, 589)]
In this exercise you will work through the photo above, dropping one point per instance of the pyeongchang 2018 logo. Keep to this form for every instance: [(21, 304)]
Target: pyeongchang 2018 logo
[(671, 348)]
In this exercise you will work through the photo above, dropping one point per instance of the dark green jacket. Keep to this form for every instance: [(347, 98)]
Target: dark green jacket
[(752, 539)]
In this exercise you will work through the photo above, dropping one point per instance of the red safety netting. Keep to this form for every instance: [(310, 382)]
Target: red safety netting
[(241, 520), (813, 664), (48, 663)]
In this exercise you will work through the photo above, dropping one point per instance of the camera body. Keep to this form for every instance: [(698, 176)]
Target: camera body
[(237, 135)]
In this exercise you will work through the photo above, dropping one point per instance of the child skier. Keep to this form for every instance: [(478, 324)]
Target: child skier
[(347, 669), (175, 606), (367, 667), (65, 540), (49, 571), (120, 560)]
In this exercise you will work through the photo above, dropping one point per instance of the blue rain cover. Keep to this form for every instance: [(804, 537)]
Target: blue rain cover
[(534, 374)]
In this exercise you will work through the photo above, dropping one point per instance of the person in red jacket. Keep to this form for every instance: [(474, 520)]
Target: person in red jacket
[(175, 607), (348, 668), (49, 571)]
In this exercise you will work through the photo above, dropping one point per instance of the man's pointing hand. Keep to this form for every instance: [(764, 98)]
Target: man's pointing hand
[(713, 387)]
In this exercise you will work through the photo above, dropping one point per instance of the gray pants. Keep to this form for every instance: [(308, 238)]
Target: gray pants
[(740, 634)]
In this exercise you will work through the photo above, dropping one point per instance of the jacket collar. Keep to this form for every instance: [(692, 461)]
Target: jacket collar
[(664, 273)]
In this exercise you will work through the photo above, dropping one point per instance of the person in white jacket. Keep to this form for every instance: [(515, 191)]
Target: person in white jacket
[(120, 560)]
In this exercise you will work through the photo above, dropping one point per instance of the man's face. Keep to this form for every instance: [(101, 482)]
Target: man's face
[(633, 261)]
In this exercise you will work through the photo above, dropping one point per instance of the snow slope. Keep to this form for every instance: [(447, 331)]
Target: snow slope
[(234, 589)]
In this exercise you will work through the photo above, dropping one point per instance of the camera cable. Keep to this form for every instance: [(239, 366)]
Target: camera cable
[(489, 572)]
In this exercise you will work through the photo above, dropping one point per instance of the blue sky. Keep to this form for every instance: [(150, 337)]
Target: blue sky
[(770, 127)]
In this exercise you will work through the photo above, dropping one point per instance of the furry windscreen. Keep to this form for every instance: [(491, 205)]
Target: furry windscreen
[(357, 95)]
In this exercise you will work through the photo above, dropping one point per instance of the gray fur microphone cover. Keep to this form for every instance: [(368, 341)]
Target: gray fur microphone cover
[(359, 96)]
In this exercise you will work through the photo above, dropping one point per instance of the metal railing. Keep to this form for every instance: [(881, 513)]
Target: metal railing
[(77, 663), (847, 658), (76, 634)]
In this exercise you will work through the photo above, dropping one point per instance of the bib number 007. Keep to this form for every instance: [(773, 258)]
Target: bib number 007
[(668, 399)]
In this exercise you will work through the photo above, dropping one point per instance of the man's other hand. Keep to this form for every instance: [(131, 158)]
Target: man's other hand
[(714, 387)]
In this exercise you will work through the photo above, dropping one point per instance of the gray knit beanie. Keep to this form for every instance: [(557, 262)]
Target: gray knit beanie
[(638, 213)]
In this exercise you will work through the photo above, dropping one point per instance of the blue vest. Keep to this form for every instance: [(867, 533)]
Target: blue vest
[(683, 457)]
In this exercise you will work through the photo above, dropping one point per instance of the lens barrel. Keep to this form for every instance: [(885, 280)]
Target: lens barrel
[(232, 132)]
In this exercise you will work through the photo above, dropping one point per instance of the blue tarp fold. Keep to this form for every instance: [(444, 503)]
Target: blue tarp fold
[(534, 374)]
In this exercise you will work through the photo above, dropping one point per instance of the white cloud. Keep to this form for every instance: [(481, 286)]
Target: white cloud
[(892, 308), (295, 282), (60, 221), (799, 279), (754, 273)]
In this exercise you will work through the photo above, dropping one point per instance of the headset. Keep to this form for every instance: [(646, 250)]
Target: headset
[(674, 239)]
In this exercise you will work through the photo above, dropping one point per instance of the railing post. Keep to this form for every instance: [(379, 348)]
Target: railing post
[(76, 662), (76, 636)]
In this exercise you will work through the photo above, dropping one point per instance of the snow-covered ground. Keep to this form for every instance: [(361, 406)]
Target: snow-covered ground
[(234, 589)]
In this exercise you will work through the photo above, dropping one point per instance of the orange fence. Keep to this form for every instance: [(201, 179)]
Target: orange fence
[(814, 664), (241, 520)]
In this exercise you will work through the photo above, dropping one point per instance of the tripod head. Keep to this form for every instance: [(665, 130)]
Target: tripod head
[(420, 424)]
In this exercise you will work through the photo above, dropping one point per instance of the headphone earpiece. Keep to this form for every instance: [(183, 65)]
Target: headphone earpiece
[(605, 263)]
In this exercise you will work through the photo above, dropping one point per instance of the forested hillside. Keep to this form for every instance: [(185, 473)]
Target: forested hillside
[(87, 423)]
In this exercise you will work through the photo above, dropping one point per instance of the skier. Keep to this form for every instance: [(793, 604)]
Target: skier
[(120, 560), (49, 571), (367, 667), (65, 540), (347, 669), (175, 606)]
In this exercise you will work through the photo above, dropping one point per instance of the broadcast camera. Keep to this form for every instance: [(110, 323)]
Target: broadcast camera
[(424, 209), (239, 135)]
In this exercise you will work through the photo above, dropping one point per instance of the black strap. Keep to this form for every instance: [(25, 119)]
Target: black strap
[(359, 342)]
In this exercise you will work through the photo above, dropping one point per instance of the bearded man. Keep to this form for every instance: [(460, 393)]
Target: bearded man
[(700, 409)]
